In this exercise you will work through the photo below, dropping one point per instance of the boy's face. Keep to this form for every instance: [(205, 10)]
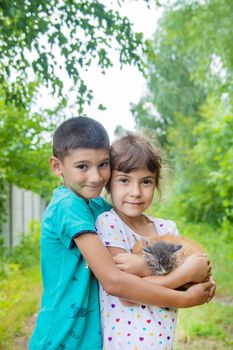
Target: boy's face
[(132, 193), (84, 171)]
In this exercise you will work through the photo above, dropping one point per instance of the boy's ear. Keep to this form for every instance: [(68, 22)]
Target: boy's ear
[(55, 165)]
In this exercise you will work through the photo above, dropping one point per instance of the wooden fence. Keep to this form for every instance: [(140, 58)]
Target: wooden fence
[(22, 207)]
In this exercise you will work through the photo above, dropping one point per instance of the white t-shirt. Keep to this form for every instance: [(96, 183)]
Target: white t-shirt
[(140, 327)]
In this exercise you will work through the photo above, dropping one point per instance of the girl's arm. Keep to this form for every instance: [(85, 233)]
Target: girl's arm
[(196, 268), (133, 288)]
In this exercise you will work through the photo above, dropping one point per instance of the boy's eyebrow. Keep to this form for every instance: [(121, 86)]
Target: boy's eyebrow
[(107, 159), (88, 161), (81, 161)]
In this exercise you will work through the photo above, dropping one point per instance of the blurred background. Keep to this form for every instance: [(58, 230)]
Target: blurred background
[(162, 68)]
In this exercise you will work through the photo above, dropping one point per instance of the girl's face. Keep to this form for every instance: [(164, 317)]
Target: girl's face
[(132, 193)]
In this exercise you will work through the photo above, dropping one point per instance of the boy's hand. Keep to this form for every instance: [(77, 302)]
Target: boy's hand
[(199, 293), (198, 268), (132, 263)]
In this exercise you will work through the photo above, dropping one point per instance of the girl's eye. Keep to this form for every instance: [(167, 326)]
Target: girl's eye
[(123, 180), (146, 182)]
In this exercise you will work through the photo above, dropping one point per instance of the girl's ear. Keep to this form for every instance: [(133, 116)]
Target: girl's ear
[(55, 165)]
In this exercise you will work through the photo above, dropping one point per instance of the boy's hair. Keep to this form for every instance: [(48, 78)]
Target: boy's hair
[(132, 152), (79, 132)]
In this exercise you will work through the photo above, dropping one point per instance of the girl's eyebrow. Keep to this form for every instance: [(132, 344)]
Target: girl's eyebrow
[(128, 175), (121, 174)]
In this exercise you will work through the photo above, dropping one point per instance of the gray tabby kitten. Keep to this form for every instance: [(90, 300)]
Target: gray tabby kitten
[(164, 253)]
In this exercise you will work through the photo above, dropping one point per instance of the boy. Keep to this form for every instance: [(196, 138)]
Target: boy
[(69, 316)]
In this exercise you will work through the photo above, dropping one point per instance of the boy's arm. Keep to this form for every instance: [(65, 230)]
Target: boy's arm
[(133, 288)]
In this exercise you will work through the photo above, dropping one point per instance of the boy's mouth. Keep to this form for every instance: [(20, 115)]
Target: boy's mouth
[(93, 187)]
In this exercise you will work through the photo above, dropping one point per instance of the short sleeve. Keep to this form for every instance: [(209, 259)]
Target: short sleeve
[(173, 230), (166, 226), (73, 217), (110, 231), (106, 204)]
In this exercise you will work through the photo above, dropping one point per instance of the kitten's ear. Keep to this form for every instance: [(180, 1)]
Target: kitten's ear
[(176, 247), (151, 258)]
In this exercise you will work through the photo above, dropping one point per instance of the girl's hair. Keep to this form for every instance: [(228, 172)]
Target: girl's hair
[(79, 132), (132, 152)]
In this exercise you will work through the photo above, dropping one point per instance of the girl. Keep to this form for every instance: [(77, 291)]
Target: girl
[(136, 167)]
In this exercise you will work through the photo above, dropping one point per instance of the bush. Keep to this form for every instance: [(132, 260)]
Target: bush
[(24, 255)]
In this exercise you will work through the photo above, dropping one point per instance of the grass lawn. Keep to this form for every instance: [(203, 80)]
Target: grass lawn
[(19, 300)]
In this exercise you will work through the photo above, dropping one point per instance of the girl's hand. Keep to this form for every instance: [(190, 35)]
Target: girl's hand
[(198, 268), (212, 289), (132, 263), (199, 293)]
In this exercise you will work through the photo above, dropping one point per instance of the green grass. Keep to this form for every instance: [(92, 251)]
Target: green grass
[(210, 324), (19, 299)]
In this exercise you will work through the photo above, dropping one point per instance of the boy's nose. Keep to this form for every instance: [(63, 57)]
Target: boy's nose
[(95, 176)]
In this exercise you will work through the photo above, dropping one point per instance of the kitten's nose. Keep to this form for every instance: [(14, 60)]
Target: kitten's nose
[(163, 270)]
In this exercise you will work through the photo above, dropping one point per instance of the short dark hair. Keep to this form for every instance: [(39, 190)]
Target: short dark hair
[(79, 132), (132, 152)]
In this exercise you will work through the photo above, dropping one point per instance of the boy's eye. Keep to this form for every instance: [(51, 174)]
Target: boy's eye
[(82, 166), (104, 165)]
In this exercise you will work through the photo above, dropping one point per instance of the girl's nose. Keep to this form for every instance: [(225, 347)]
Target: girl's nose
[(135, 190)]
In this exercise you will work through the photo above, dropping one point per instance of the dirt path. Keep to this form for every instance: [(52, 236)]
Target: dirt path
[(21, 342)]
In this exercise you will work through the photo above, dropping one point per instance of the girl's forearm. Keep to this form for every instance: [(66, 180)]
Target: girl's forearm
[(174, 279), (139, 291)]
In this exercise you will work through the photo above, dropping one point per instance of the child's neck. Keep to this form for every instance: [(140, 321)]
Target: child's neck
[(141, 224)]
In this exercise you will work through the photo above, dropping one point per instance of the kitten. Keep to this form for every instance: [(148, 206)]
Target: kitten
[(164, 253)]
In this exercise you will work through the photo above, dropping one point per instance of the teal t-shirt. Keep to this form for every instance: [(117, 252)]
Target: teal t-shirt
[(69, 317)]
